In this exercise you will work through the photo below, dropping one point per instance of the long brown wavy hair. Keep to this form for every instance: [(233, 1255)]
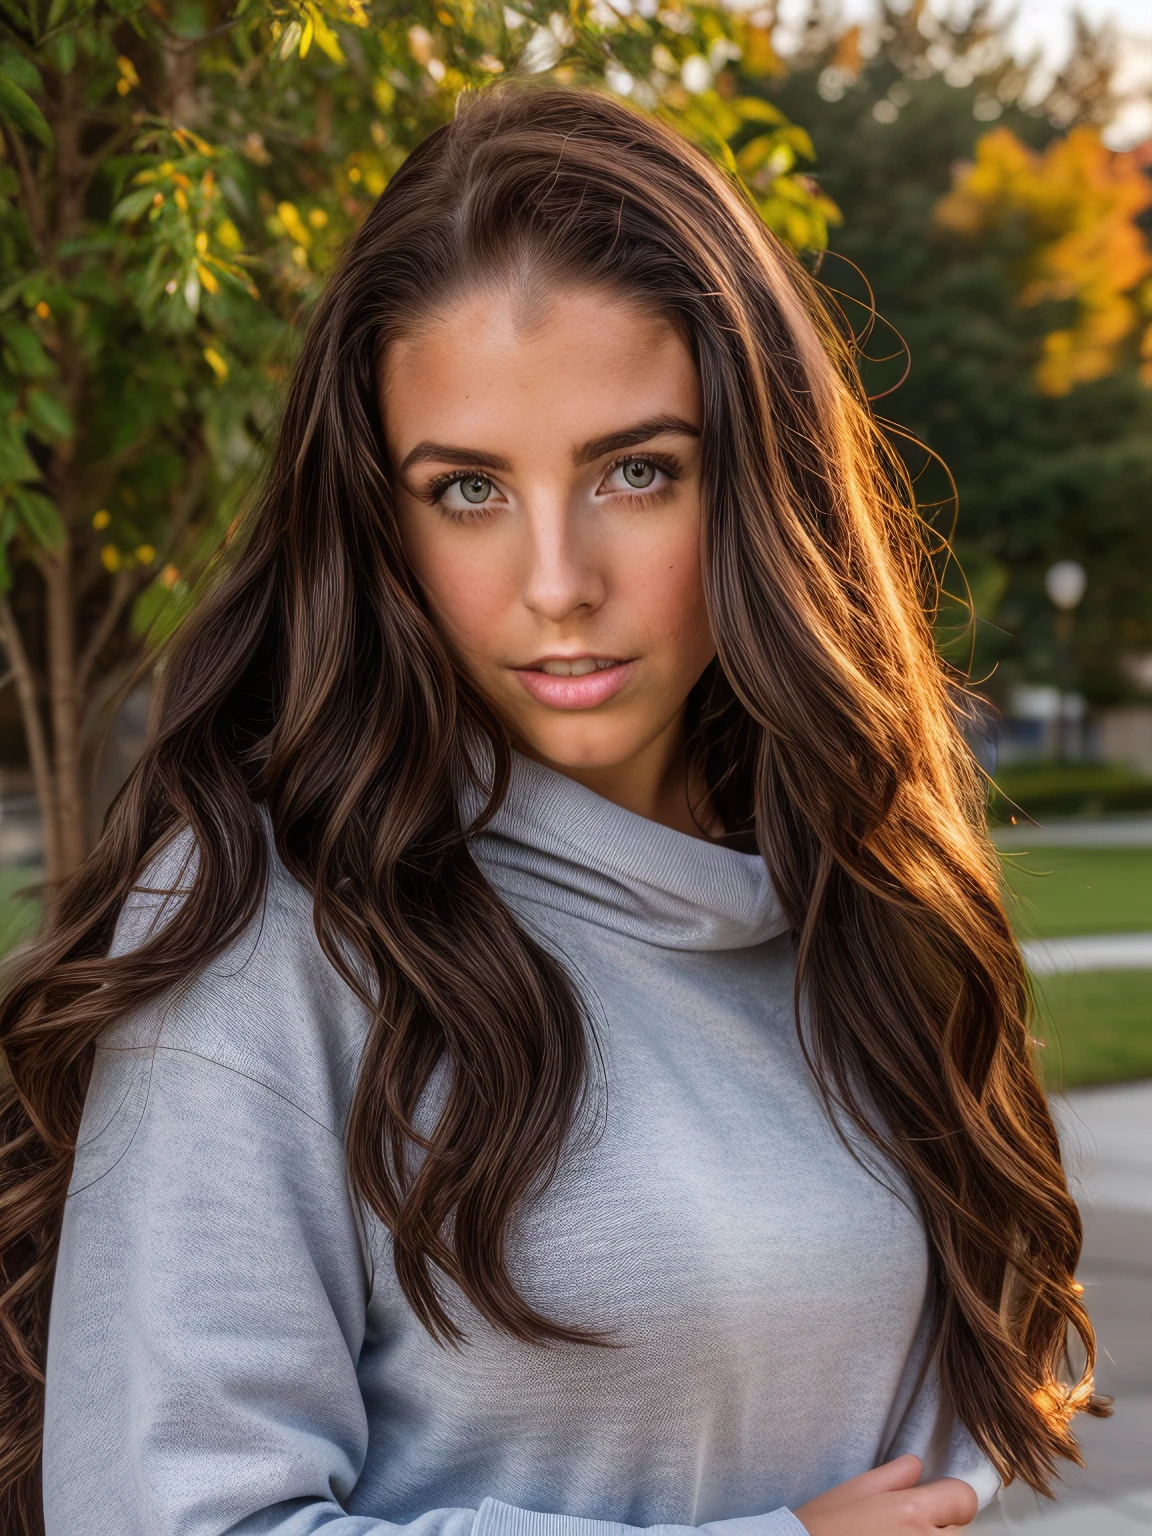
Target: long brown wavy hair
[(312, 683)]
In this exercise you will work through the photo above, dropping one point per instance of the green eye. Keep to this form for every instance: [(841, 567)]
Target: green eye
[(475, 488), (639, 474)]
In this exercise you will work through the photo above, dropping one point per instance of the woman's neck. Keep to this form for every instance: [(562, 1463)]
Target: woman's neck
[(653, 783)]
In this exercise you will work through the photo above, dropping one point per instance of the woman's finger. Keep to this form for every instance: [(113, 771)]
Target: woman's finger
[(893, 1476), (947, 1503)]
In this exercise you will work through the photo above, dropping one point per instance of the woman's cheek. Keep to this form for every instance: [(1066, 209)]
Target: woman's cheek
[(664, 586), (466, 593)]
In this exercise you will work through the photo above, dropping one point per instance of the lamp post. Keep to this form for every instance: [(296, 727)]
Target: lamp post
[(1064, 583)]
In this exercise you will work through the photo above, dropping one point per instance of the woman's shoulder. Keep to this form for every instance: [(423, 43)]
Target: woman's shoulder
[(270, 1007)]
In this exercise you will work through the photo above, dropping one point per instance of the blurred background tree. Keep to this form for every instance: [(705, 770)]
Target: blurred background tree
[(1006, 249), (177, 178)]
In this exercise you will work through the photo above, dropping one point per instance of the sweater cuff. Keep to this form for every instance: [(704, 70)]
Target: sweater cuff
[(497, 1519)]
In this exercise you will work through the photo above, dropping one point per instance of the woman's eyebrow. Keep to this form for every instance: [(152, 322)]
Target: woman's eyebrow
[(632, 437), (441, 453)]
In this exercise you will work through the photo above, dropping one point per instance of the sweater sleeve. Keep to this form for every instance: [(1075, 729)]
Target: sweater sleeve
[(207, 1318), (928, 1427)]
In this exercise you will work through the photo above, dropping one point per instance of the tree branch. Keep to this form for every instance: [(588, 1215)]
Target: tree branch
[(90, 164), (34, 735), (186, 44), (125, 585), (60, 630), (29, 192)]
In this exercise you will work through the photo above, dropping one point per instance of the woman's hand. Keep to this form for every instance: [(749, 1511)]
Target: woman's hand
[(887, 1502)]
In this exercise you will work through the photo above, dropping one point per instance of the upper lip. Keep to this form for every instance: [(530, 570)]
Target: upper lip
[(530, 666)]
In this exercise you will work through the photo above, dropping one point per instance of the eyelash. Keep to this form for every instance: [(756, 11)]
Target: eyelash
[(668, 466)]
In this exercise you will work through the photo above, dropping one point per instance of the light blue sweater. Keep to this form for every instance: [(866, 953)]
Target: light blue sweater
[(229, 1350)]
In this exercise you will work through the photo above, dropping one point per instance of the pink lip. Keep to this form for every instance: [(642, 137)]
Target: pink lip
[(575, 692)]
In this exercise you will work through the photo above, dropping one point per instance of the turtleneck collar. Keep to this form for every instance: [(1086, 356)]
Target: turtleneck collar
[(557, 844)]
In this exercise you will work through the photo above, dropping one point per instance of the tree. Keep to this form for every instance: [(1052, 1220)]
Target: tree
[(177, 177), (893, 112), (1076, 206)]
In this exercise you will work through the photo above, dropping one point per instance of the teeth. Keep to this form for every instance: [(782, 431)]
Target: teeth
[(578, 668)]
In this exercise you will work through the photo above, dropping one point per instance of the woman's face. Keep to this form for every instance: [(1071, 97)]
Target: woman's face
[(547, 466)]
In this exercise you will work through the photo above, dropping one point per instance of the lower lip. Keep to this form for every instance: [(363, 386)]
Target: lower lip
[(576, 692)]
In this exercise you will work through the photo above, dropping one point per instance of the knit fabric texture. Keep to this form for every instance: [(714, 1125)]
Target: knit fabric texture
[(229, 1349)]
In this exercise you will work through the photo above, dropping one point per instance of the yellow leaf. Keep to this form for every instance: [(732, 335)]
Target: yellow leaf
[(110, 557), (101, 519), (326, 39), (201, 144), (217, 364), (181, 198), (201, 242), (306, 37), (1079, 205), (293, 224)]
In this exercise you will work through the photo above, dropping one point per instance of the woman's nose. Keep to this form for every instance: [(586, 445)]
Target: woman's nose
[(563, 574)]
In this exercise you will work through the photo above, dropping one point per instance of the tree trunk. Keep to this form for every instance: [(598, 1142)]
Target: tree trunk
[(34, 734), (61, 635)]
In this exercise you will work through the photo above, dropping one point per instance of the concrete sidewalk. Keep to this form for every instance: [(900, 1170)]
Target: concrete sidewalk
[(1134, 831), (1092, 952), (1107, 1136)]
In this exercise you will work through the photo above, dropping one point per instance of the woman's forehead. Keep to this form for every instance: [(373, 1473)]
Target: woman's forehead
[(588, 363)]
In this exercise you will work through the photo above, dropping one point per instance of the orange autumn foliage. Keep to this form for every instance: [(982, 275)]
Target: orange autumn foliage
[(1078, 202)]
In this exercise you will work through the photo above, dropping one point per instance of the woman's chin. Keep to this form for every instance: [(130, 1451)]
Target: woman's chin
[(594, 743)]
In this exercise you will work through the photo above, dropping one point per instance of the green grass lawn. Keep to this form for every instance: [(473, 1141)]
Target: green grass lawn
[(1062, 891), (1097, 1024), (19, 913)]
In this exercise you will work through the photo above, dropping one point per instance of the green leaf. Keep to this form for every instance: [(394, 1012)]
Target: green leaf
[(800, 140), (753, 110), (31, 359), (40, 516), (132, 206), (62, 50), (15, 461), (19, 69), (12, 292), (22, 111), (17, 12), (48, 418)]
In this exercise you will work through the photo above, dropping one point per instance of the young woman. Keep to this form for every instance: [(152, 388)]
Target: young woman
[(552, 1055)]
